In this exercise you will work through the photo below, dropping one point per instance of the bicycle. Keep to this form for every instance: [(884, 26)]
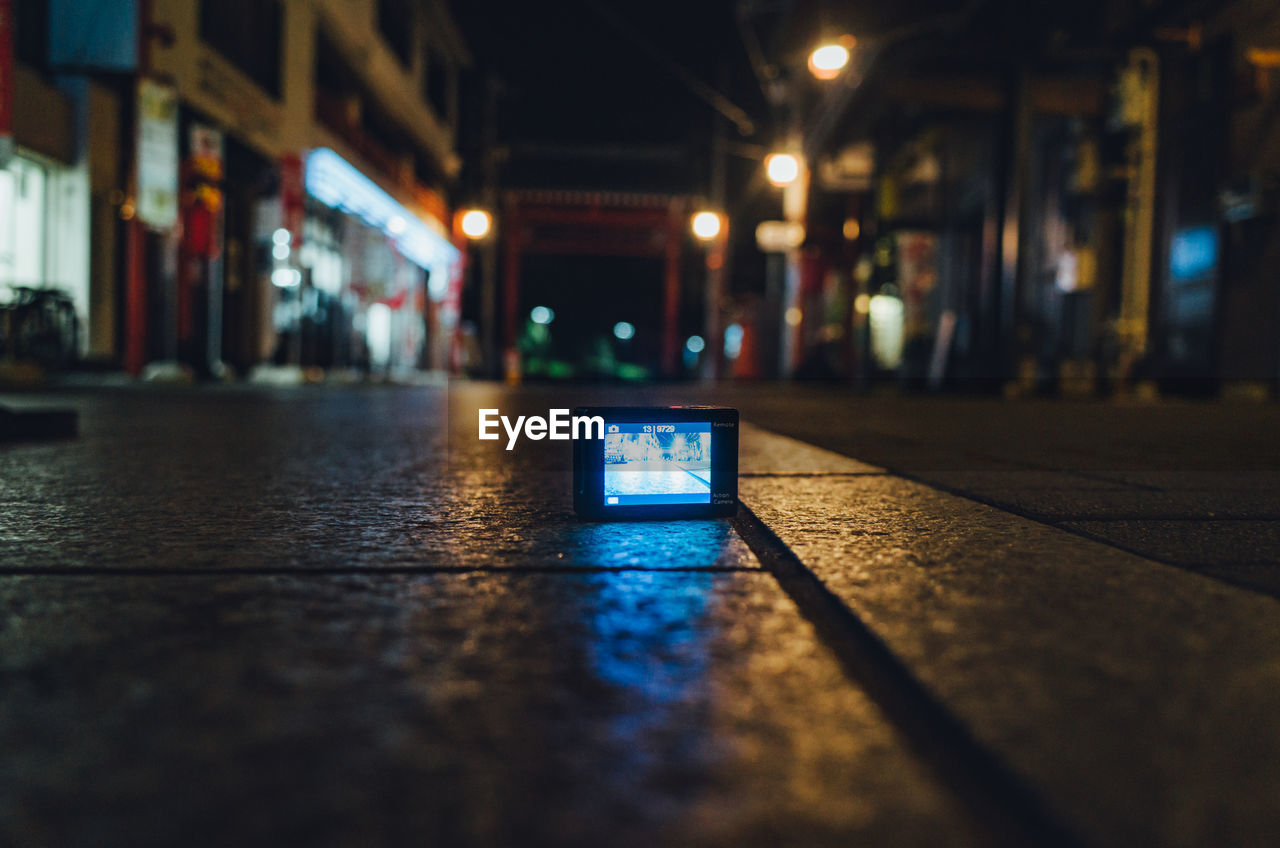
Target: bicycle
[(40, 325)]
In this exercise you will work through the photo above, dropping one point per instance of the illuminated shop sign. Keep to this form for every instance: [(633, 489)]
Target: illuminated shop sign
[(1193, 253), (336, 183)]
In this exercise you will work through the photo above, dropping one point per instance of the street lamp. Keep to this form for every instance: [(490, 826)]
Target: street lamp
[(781, 168), (706, 225), (828, 60), (475, 224)]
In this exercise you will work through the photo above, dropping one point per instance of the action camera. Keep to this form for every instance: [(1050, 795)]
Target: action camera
[(657, 462)]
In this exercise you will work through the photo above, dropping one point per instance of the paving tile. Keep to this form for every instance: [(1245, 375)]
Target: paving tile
[(1259, 576), (1139, 698), (1031, 480), (1192, 543), (299, 480), (763, 452), (633, 708), (1128, 503), (1260, 480)]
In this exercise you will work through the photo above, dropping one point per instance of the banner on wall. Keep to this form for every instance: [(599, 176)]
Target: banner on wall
[(157, 203), (292, 196), (203, 200)]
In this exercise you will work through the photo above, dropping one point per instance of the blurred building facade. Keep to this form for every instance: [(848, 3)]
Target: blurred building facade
[(1035, 200), (44, 172), (246, 181)]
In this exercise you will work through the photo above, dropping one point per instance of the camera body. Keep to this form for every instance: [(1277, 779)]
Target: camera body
[(657, 462)]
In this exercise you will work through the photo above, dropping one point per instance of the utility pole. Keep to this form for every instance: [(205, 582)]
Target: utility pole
[(717, 253), (135, 341), (794, 201), (489, 246), (1141, 97)]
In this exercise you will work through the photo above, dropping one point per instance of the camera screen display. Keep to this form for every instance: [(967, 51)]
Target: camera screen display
[(660, 463)]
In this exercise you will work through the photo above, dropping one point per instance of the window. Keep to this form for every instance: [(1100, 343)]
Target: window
[(31, 31), (395, 22), (439, 82), (247, 33), (22, 220)]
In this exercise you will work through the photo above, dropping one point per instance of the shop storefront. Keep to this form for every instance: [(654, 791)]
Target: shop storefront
[(356, 287), (44, 229)]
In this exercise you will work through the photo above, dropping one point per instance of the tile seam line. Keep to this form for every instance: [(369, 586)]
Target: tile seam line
[(1015, 464), (1270, 518), (998, 800), (758, 475), (1060, 525), (890, 471), (357, 571)]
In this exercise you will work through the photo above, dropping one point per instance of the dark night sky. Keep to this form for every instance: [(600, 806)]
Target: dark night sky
[(570, 76), (574, 84), (583, 106)]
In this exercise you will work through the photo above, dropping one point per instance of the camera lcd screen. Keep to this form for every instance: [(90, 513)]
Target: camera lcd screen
[(660, 463)]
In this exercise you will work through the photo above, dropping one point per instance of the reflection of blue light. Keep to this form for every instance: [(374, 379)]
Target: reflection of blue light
[(624, 330), (646, 635), (336, 183), (1191, 303), (653, 544), (1193, 253), (541, 315), (649, 641)]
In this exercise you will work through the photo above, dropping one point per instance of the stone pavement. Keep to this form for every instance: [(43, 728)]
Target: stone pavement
[(334, 617), (1190, 483)]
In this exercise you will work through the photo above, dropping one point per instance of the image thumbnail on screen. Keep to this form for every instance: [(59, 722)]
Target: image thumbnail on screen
[(657, 463)]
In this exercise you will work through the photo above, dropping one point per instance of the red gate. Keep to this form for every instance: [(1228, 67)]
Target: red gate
[(580, 223)]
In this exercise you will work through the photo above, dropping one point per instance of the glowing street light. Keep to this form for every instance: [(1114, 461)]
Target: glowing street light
[(475, 223), (286, 278), (541, 315), (706, 225), (624, 330), (695, 344), (828, 60), (781, 168)]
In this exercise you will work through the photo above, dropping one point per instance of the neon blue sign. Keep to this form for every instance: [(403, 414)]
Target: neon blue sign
[(336, 183), (1193, 252)]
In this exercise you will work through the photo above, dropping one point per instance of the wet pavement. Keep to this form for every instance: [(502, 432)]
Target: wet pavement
[(1190, 483), (333, 616), (326, 617), (631, 708), (1138, 699)]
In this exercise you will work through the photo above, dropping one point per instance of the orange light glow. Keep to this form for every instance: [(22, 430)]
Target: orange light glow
[(706, 225), (828, 60), (475, 223)]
